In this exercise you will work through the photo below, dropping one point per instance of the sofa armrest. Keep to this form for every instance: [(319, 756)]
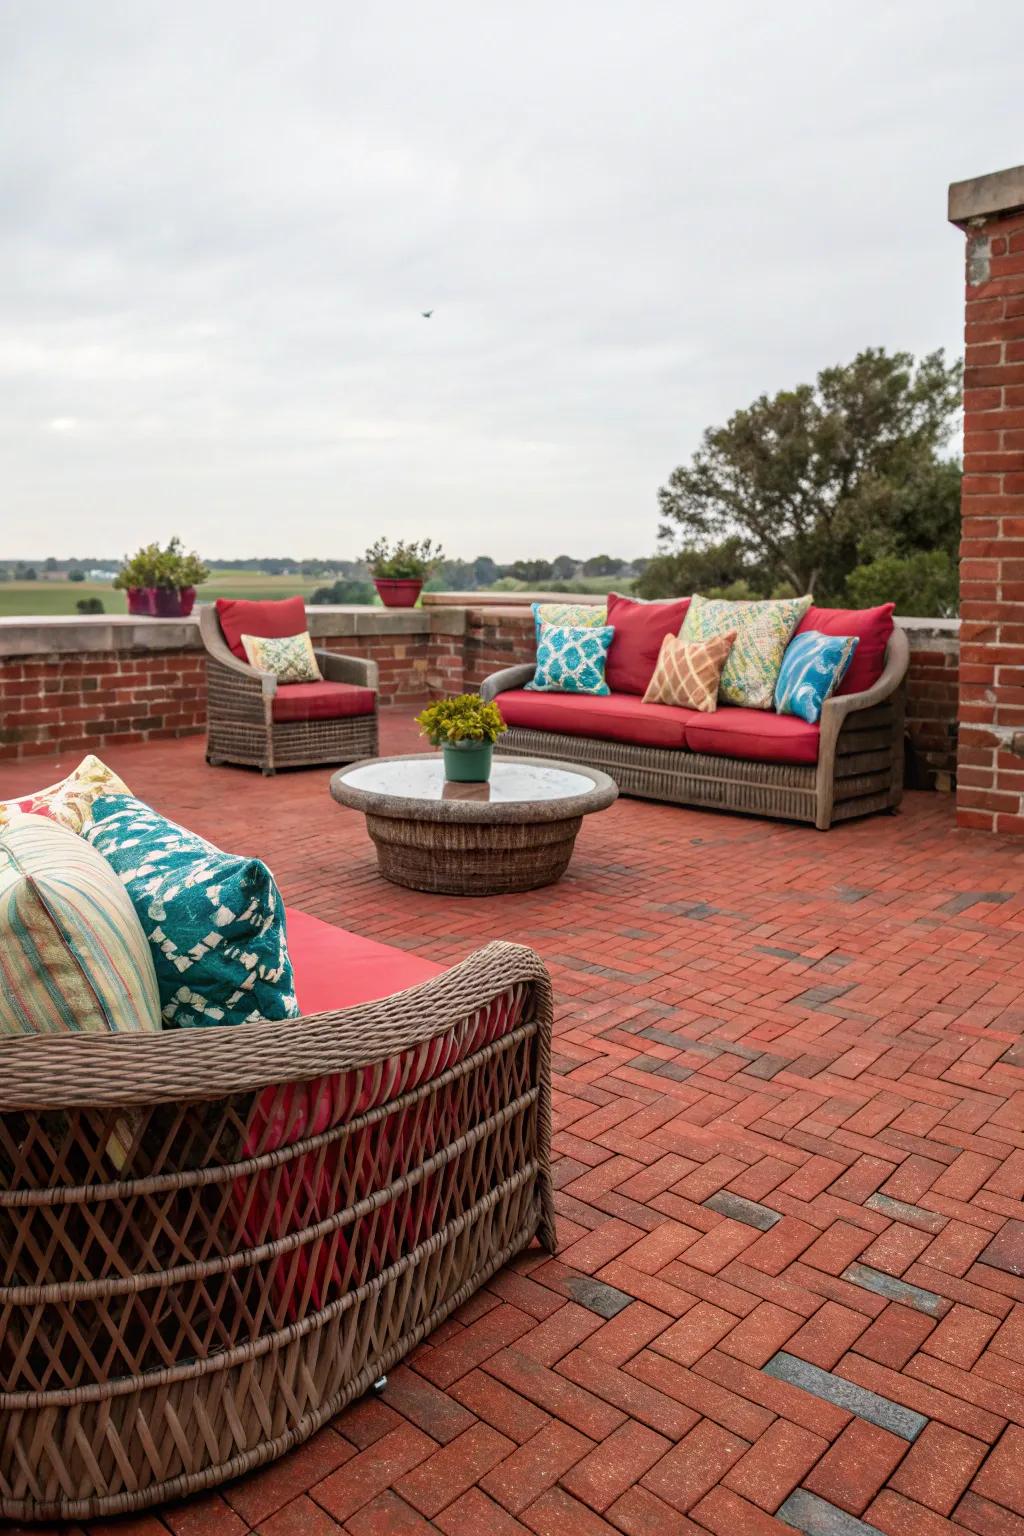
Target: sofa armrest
[(870, 722), (126, 1070), (359, 670), (897, 660), (503, 682)]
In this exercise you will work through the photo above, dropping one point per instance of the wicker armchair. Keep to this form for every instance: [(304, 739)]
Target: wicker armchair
[(302, 1202), (859, 767), (240, 724)]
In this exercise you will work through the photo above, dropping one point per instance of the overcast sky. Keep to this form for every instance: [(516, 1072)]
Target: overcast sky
[(219, 223)]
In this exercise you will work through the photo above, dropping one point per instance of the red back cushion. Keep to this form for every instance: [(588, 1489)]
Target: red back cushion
[(639, 630), (872, 626), (271, 620)]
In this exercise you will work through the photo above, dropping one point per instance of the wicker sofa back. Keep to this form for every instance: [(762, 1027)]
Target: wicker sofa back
[(859, 765), (302, 1202)]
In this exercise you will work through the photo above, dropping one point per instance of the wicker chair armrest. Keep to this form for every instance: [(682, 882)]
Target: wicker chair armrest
[(502, 682), (218, 651), (348, 669), (81, 1071)]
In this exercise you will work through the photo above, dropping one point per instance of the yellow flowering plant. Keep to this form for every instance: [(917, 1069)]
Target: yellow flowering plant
[(464, 718)]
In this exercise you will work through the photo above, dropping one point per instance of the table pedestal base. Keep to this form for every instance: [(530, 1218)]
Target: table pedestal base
[(472, 859)]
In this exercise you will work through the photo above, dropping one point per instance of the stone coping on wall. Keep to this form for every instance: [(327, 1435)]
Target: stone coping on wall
[(445, 613), (71, 634)]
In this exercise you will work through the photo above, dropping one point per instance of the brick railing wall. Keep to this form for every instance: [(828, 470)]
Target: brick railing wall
[(84, 684), (990, 782)]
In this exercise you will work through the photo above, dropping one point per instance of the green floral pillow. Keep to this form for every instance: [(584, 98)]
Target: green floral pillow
[(763, 630), (290, 657), (215, 921), (568, 615)]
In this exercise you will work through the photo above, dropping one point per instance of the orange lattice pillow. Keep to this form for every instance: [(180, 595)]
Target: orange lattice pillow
[(688, 672)]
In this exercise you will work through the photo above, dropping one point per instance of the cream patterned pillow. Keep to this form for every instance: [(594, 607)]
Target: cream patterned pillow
[(70, 800), (289, 659), (569, 615), (763, 630)]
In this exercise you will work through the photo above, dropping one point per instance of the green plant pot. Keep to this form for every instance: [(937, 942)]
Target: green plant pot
[(467, 762)]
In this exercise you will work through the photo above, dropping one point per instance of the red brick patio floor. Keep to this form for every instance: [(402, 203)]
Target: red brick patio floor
[(789, 1104)]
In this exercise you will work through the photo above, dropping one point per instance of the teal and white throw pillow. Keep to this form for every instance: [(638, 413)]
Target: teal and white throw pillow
[(572, 660), (812, 669), (568, 615), (215, 921)]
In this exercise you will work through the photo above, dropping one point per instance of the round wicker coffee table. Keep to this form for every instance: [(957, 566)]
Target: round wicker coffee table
[(512, 834)]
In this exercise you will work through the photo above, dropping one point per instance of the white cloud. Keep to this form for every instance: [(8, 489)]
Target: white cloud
[(219, 225)]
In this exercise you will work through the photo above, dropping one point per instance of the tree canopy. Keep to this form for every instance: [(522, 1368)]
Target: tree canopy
[(800, 489)]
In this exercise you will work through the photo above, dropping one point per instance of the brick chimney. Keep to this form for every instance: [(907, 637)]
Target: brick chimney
[(990, 767)]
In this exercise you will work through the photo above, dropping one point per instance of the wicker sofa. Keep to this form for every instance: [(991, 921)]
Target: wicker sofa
[(734, 759), (255, 721), (302, 1202)]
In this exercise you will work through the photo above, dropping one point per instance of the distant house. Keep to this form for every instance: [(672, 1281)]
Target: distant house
[(100, 575)]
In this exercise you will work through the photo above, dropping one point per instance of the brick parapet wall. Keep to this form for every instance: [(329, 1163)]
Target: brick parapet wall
[(990, 788), (85, 685)]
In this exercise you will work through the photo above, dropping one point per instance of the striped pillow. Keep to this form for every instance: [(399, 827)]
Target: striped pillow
[(73, 956)]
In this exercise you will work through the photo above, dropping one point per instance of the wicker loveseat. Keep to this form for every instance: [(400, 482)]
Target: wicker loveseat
[(732, 759), (301, 1203), (254, 720)]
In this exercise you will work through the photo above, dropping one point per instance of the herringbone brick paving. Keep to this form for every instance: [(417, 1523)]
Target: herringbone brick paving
[(789, 1101)]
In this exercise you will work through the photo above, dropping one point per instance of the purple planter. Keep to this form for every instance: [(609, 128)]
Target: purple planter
[(161, 602)]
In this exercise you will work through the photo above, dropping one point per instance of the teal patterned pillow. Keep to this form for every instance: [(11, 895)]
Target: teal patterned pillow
[(812, 669), (568, 616), (214, 921), (571, 660)]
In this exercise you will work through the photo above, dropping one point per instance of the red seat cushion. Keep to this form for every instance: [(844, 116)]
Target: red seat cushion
[(872, 626), (757, 734), (337, 969), (271, 620), (639, 631), (321, 701), (617, 717)]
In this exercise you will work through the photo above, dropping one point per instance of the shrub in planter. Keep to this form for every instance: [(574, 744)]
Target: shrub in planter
[(465, 728), (161, 583), (399, 570)]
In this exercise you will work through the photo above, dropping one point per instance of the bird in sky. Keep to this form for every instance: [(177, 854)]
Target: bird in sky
[(426, 313)]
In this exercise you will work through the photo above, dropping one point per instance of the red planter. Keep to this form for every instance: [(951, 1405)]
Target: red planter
[(399, 591), (161, 602)]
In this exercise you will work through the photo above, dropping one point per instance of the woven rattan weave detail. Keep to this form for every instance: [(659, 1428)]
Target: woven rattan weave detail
[(859, 767), (240, 726), (266, 1254)]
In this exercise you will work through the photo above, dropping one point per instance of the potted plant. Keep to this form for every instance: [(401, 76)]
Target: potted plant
[(465, 728), (399, 570), (161, 583)]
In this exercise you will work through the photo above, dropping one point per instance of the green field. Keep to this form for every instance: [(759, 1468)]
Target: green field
[(35, 599)]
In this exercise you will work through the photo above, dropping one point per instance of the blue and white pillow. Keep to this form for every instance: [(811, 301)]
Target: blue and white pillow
[(812, 669), (571, 660), (215, 921)]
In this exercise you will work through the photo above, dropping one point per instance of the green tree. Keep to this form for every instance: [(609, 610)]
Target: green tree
[(812, 479), (679, 572), (564, 567), (76, 575), (532, 571), (602, 565), (924, 584), (344, 590)]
